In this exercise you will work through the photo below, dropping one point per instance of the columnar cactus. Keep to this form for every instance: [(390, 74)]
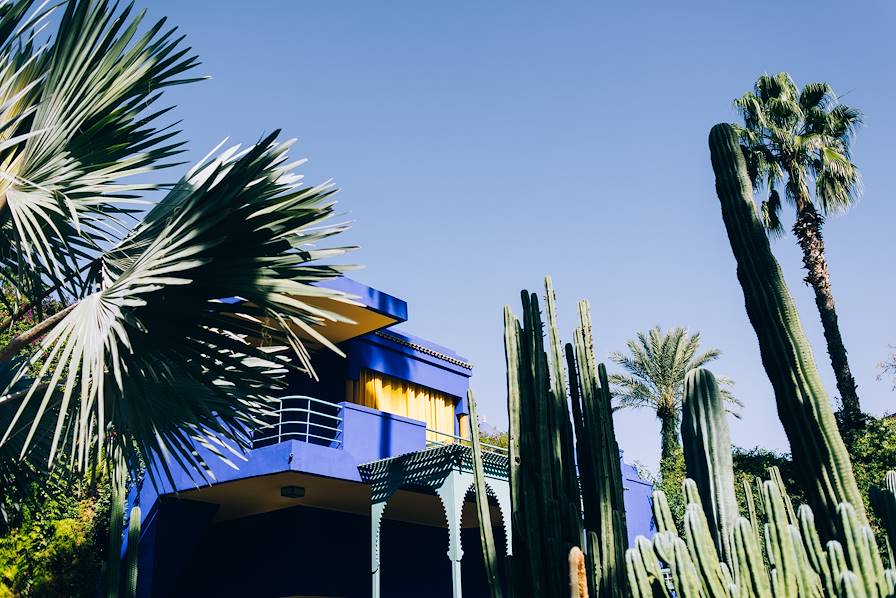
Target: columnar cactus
[(798, 565), (555, 499), (598, 454), (546, 503), (130, 560), (707, 455), (884, 501), (486, 537), (803, 405), (112, 566)]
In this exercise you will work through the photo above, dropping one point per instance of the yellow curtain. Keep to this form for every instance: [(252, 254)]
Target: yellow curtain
[(379, 391)]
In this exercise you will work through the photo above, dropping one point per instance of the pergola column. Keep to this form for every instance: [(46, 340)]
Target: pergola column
[(501, 490), (452, 492), (448, 471), (376, 519)]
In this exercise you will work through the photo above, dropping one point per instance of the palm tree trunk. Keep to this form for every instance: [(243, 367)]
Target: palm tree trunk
[(669, 434), (807, 230)]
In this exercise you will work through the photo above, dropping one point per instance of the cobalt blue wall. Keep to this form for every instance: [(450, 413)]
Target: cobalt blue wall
[(305, 551), (638, 497), (390, 354)]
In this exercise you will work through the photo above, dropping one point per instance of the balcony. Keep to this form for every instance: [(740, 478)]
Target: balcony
[(305, 419), (367, 433)]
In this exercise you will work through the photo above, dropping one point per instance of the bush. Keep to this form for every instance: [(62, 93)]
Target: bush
[(56, 545)]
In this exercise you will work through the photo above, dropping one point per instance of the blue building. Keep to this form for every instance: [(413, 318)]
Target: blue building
[(359, 486)]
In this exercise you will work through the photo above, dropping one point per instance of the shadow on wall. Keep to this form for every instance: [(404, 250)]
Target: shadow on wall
[(304, 551)]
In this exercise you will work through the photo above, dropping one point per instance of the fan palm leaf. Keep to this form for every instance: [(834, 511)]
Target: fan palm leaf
[(168, 352), (803, 137), (77, 117)]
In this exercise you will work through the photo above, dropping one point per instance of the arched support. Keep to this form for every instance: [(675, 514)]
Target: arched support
[(376, 519), (501, 491), (452, 492)]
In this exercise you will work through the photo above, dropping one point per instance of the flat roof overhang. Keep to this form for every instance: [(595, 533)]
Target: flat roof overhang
[(373, 310), (261, 494), (366, 309)]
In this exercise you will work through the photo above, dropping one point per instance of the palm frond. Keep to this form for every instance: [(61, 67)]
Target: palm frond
[(837, 181), (655, 366), (630, 392), (771, 214), (815, 96), (156, 359), (77, 118), (803, 135)]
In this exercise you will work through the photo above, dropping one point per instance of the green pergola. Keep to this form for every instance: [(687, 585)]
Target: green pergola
[(447, 471)]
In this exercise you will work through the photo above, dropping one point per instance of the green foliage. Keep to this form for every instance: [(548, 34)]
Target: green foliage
[(55, 546), (874, 452), (497, 438), (751, 466), (17, 312), (671, 482)]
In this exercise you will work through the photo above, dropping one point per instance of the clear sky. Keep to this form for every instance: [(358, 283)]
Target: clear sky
[(482, 145)]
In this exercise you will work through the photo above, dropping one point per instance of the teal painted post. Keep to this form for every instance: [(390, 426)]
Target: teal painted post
[(501, 488), (376, 518), (452, 493)]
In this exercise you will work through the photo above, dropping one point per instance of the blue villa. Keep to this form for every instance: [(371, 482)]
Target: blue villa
[(359, 487)]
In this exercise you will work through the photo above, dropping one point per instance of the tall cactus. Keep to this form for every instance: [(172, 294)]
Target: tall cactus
[(707, 455), (132, 553), (799, 566), (112, 567), (884, 501), (546, 503), (550, 512), (803, 405), (599, 467), (486, 537)]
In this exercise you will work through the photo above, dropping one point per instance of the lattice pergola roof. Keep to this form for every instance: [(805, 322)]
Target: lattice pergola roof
[(427, 468)]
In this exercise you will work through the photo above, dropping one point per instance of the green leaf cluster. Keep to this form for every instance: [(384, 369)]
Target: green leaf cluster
[(55, 546)]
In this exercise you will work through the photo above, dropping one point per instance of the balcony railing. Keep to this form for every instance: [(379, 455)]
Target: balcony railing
[(302, 418), (437, 438)]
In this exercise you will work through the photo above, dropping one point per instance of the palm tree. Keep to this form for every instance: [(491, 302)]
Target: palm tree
[(656, 366), (801, 138), (157, 348)]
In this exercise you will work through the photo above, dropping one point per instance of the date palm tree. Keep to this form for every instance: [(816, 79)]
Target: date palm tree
[(655, 367), (159, 346), (800, 139)]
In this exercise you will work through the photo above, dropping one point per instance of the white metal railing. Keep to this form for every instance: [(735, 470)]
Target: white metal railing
[(302, 418), (444, 438)]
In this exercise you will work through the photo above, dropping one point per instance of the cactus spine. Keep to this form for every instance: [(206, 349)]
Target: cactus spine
[(803, 405), (707, 455)]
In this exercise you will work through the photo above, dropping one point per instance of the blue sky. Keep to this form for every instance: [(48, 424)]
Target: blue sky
[(482, 145)]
